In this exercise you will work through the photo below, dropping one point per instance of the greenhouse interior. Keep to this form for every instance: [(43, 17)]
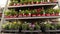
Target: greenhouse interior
[(29, 16)]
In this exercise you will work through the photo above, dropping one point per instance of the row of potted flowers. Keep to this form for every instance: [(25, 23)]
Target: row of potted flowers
[(29, 26), (22, 26), (27, 2), (31, 13)]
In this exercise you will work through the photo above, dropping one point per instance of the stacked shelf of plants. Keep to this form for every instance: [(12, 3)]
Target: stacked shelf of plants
[(31, 16)]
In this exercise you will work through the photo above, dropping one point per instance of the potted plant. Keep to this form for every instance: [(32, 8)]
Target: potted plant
[(47, 12), (29, 2), (15, 3), (58, 26), (11, 3), (13, 13), (21, 2), (7, 13), (33, 12), (5, 26), (10, 27), (18, 4), (52, 12), (47, 26), (42, 12), (53, 27), (27, 13), (31, 26), (32, 1), (38, 1), (45, 1), (24, 26), (38, 12), (21, 12), (25, 2), (37, 26), (57, 12)]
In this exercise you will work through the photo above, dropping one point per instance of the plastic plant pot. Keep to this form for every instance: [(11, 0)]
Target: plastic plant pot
[(15, 16), (24, 15), (57, 14), (7, 16), (24, 3), (14, 4), (29, 3), (47, 14), (43, 14), (11, 16), (38, 15), (20, 15), (28, 15), (38, 10), (18, 4), (33, 15), (52, 14)]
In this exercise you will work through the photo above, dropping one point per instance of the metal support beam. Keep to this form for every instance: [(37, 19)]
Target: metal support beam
[(2, 19)]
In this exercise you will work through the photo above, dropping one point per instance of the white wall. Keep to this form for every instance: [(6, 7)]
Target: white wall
[(2, 3)]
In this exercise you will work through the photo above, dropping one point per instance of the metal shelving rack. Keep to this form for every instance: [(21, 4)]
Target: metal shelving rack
[(49, 4)]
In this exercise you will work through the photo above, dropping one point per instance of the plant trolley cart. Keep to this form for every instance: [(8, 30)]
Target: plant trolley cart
[(30, 17)]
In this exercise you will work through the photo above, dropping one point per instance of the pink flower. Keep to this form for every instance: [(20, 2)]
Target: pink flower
[(32, 25)]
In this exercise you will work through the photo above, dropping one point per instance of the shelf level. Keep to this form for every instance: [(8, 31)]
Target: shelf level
[(10, 31), (51, 4), (31, 31), (35, 17), (41, 31), (52, 30)]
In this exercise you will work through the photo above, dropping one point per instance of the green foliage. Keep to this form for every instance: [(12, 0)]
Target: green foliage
[(51, 10), (33, 12), (10, 12), (7, 12), (24, 26), (58, 25), (37, 26), (11, 25), (27, 12), (57, 10), (42, 12), (47, 25), (21, 12), (45, 0)]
